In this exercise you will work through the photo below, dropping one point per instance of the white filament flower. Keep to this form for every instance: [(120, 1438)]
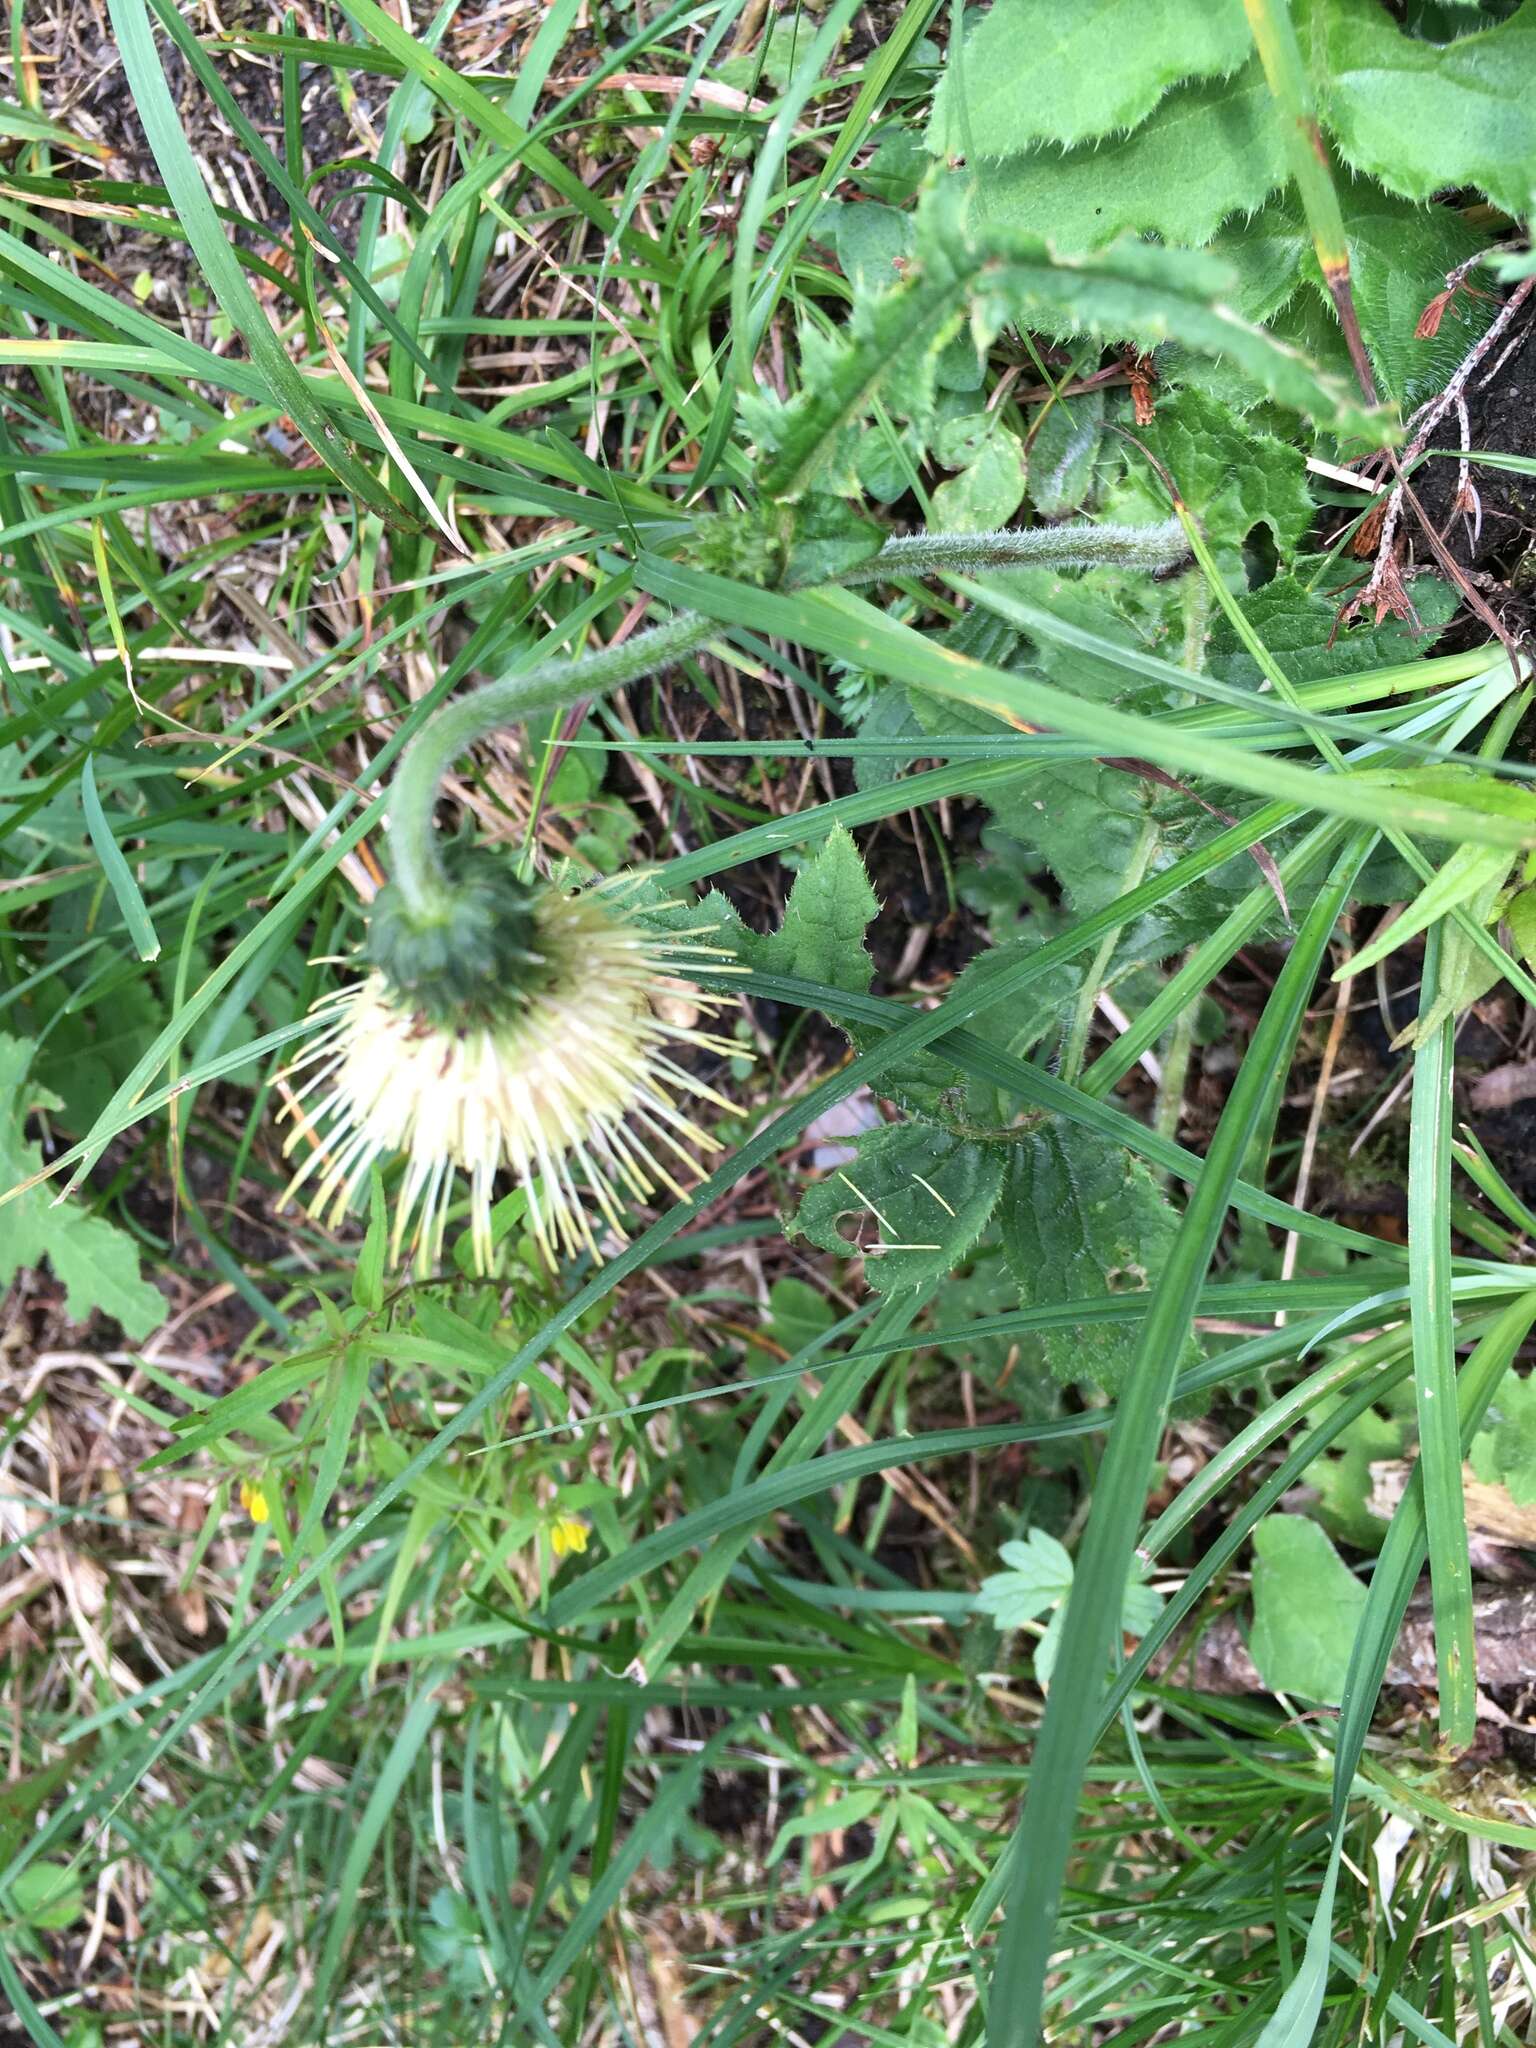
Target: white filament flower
[(567, 1087)]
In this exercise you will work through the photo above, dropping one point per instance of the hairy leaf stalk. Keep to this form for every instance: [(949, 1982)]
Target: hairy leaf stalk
[(425, 887)]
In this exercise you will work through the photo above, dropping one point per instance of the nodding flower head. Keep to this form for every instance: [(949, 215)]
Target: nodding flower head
[(526, 1031)]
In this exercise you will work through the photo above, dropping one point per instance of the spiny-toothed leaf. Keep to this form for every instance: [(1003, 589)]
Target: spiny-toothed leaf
[(1035, 71), (1424, 117), (1399, 254), (1128, 292), (1231, 476), (97, 1263), (1079, 1218), (822, 936), (1210, 150), (916, 1199), (1302, 629)]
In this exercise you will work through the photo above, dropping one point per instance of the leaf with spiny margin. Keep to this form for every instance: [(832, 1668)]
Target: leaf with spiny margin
[(1301, 628), (930, 1086), (1080, 1217), (1231, 476), (916, 1199), (97, 1263), (822, 936), (1211, 149), (1399, 254), (1307, 1604), (1036, 71), (1130, 291), (1423, 117)]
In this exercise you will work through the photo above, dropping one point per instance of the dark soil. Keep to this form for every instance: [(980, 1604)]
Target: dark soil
[(1501, 408)]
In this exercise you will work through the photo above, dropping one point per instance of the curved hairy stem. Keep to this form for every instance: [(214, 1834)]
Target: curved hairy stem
[(415, 856)]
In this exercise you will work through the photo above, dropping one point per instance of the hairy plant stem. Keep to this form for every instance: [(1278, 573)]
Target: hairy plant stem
[(415, 856)]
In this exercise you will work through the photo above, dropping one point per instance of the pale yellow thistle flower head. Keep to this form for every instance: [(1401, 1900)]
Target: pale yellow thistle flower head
[(560, 1080)]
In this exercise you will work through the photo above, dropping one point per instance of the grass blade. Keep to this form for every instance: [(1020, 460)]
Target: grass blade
[(1434, 1362), (1104, 1561)]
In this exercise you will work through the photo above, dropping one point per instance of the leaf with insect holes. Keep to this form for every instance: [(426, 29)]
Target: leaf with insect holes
[(1425, 117), (1307, 1604), (916, 1199), (1211, 149), (1081, 1219), (97, 1263), (1035, 71)]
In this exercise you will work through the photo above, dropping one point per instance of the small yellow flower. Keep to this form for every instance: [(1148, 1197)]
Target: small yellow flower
[(254, 1501), (568, 1534)]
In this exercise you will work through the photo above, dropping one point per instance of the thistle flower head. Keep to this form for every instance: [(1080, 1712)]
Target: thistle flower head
[(532, 1040)]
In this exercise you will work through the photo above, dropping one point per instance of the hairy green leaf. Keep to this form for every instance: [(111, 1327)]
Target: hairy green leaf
[(1131, 291), (916, 1199), (1232, 476), (1063, 449), (1035, 71), (1082, 1219), (1424, 116), (1211, 149), (822, 936)]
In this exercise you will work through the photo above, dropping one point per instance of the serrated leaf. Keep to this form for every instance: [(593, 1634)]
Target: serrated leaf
[(1232, 476), (1210, 150), (1039, 1579), (1306, 1606), (1131, 291), (1033, 70), (822, 936), (1302, 629), (1426, 117), (1081, 1218), (1086, 821), (916, 1199), (97, 1263), (1399, 255)]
